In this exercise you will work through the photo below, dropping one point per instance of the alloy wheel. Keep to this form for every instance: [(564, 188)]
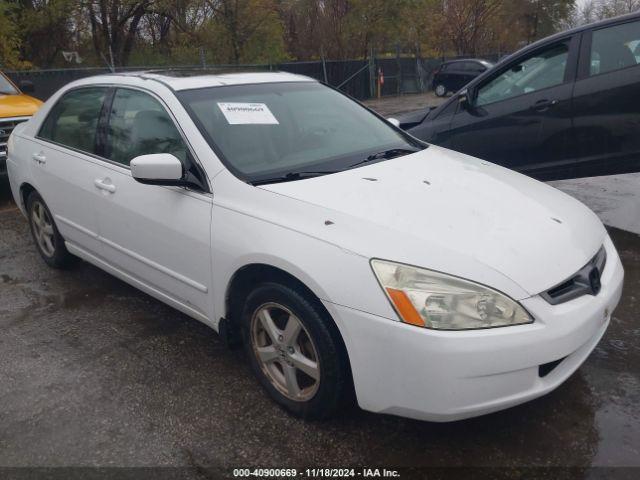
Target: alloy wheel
[(43, 229), (285, 352)]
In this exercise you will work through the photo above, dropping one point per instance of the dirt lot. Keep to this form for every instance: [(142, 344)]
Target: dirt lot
[(391, 105), (95, 373)]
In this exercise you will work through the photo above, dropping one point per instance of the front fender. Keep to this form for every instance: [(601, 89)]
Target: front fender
[(333, 274)]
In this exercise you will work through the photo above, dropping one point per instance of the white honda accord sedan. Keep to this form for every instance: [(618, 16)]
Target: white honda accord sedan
[(346, 255)]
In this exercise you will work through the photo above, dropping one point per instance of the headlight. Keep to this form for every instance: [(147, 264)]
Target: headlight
[(434, 300)]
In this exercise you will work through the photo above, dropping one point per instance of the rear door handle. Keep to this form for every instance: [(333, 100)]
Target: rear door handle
[(39, 158), (105, 185), (542, 105)]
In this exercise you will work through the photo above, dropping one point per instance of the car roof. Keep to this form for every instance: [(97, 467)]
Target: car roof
[(478, 60), (482, 61), (193, 79)]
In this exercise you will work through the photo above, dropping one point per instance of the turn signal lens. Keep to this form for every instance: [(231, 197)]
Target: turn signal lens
[(405, 307), (435, 300)]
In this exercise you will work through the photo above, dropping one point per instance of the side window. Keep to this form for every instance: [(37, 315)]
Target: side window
[(470, 67), (541, 70), (139, 125), (479, 68), (615, 48), (73, 121)]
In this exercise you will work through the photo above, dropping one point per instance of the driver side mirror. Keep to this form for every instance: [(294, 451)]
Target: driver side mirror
[(466, 99), (158, 169)]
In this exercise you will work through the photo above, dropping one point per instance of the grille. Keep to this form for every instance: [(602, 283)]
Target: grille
[(585, 281), (6, 127)]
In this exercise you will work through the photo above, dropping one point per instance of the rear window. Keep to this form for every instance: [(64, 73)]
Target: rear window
[(472, 67)]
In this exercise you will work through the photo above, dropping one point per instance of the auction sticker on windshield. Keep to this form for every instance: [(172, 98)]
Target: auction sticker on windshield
[(247, 114)]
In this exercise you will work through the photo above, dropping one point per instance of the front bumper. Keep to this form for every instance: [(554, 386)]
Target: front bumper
[(444, 376)]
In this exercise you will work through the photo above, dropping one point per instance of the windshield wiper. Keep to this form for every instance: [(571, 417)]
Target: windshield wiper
[(385, 155), (292, 176)]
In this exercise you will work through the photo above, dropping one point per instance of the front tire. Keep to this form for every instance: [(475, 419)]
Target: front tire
[(295, 351), (45, 234)]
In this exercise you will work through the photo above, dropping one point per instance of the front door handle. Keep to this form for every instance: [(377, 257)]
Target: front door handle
[(542, 105), (39, 158), (105, 185)]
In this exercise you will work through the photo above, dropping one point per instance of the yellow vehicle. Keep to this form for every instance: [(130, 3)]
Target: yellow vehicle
[(15, 107)]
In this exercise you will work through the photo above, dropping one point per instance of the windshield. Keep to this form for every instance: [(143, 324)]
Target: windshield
[(270, 131), (6, 87)]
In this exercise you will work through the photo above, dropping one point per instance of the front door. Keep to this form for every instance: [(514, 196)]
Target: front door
[(521, 117), (158, 236)]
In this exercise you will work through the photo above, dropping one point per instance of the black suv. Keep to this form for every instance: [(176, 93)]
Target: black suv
[(451, 76), (567, 106)]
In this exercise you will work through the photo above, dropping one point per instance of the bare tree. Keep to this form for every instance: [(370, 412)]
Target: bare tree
[(114, 27), (465, 22), (593, 10), (241, 19), (613, 8)]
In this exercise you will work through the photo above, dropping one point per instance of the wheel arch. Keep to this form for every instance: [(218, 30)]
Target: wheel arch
[(247, 277), (25, 190)]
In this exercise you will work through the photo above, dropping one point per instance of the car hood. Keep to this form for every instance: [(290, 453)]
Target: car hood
[(450, 212), (18, 105)]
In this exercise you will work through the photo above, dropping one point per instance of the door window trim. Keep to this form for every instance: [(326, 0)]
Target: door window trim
[(573, 43), (103, 121)]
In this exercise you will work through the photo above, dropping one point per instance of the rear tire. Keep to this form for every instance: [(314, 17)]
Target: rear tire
[(440, 90), (295, 351), (45, 234)]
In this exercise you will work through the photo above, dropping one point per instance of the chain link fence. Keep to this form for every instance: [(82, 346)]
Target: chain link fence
[(359, 78)]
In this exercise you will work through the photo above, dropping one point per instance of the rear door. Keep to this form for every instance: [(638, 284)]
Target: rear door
[(521, 116), (65, 165), (607, 101), (157, 236)]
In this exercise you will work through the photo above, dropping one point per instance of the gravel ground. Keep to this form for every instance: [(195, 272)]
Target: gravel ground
[(387, 106)]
